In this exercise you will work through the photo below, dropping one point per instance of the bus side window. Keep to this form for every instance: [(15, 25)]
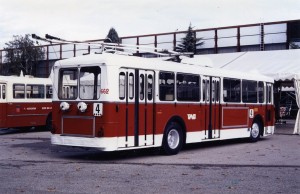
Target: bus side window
[(188, 87), (204, 89), (35, 91), (261, 89), (3, 92), (231, 90), (122, 86), (166, 86), (269, 93), (150, 87), (48, 91), (216, 91), (19, 91), (249, 91), (142, 87), (28, 91), (213, 91), (131, 86)]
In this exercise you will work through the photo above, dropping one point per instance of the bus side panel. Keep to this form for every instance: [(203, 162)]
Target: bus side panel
[(108, 125), (191, 114), (269, 119), (270, 115), (235, 117), (150, 130), (216, 120), (128, 120), (142, 123), (3, 115), (129, 124), (27, 114)]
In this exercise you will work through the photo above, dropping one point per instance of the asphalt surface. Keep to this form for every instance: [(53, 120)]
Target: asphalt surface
[(30, 164)]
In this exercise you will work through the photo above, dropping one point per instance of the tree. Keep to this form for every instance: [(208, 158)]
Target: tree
[(112, 36), (189, 42), (22, 55)]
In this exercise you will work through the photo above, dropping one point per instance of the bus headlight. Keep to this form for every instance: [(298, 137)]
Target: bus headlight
[(64, 106), (82, 106)]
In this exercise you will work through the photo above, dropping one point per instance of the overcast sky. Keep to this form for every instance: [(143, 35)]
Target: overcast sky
[(92, 19)]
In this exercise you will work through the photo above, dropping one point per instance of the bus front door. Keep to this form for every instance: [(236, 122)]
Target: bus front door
[(211, 99)]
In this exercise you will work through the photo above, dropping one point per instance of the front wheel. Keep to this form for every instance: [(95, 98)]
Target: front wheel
[(173, 139), (255, 131)]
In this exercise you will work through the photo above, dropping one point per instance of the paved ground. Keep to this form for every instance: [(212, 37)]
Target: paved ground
[(30, 164)]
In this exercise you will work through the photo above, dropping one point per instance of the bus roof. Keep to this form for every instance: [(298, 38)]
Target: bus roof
[(25, 80), (109, 59)]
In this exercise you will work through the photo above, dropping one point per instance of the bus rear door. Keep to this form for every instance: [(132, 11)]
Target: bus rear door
[(144, 109), (211, 97), (215, 107)]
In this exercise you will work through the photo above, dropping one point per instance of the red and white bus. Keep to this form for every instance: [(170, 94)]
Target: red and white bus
[(25, 102), (120, 102)]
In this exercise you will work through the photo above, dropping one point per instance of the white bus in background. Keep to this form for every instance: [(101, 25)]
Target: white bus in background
[(25, 101)]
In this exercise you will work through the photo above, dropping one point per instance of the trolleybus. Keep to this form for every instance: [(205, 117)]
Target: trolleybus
[(120, 102), (25, 102)]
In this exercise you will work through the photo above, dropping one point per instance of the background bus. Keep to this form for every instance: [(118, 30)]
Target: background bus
[(125, 102), (25, 102)]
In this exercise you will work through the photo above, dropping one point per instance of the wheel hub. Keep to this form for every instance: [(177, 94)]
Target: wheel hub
[(255, 130), (173, 139)]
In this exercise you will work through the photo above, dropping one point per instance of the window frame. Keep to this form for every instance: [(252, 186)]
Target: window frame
[(186, 88), (75, 70), (246, 93), (238, 100), (96, 92), (14, 90), (32, 91), (171, 87)]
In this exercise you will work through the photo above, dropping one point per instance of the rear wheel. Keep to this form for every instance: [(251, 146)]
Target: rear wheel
[(173, 139), (255, 131)]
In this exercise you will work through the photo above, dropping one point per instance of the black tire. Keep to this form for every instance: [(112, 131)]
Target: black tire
[(173, 139), (255, 131)]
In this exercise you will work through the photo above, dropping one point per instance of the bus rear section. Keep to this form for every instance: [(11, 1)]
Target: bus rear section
[(92, 111), (79, 119)]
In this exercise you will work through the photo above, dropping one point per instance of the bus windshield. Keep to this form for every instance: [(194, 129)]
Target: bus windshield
[(89, 83), (87, 78)]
